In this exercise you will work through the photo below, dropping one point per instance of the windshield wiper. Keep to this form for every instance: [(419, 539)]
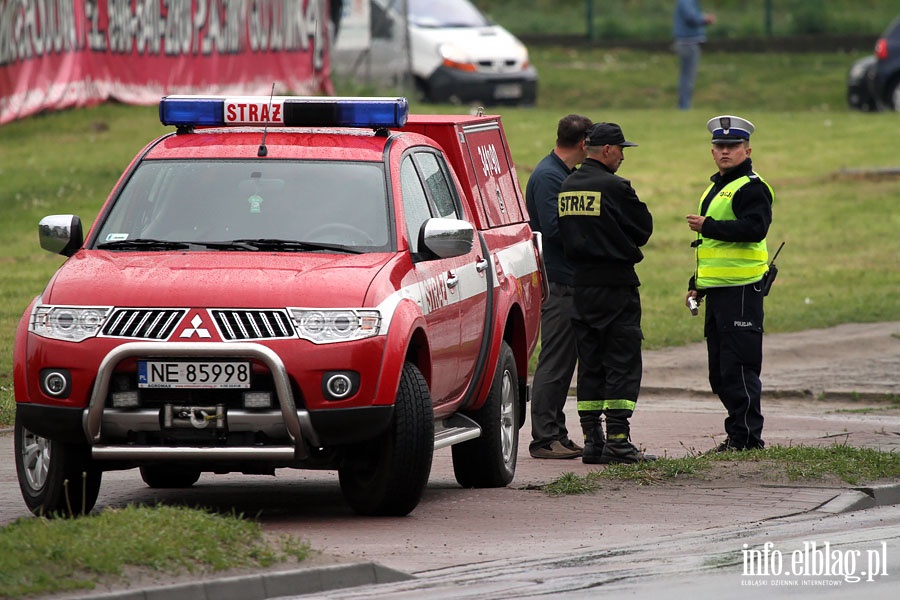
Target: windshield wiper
[(276, 244), (143, 244)]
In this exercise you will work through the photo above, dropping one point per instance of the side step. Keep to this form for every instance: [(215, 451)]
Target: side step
[(454, 430)]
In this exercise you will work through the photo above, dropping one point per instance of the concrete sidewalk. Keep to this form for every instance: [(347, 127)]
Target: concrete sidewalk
[(810, 378)]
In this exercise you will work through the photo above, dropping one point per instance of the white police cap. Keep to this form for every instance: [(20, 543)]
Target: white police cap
[(728, 129)]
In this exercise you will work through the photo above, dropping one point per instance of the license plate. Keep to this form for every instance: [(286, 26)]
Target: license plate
[(193, 374), (506, 91)]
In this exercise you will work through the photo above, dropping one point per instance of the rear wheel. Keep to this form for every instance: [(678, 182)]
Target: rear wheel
[(56, 479), (387, 477), (169, 476), (490, 460)]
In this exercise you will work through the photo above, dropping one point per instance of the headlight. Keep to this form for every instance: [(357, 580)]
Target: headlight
[(455, 57), (69, 323), (324, 326)]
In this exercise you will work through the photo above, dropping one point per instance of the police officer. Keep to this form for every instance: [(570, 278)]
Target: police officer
[(603, 224), (732, 258)]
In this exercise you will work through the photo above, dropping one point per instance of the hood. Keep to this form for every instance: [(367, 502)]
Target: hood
[(214, 279), (485, 45)]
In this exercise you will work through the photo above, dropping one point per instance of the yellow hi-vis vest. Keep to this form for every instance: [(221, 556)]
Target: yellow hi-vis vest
[(729, 264)]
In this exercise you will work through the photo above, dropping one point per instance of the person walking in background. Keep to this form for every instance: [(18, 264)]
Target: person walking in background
[(732, 260), (603, 224), (558, 356), (689, 30)]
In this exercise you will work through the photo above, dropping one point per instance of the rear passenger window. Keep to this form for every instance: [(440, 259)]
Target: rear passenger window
[(437, 181)]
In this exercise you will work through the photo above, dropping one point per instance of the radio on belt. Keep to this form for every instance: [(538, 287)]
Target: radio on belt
[(290, 111)]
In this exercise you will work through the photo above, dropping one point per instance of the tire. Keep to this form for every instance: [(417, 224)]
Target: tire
[(56, 479), (894, 94), (169, 476), (387, 477), (490, 460)]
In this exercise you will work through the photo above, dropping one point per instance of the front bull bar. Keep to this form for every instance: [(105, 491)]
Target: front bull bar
[(296, 422)]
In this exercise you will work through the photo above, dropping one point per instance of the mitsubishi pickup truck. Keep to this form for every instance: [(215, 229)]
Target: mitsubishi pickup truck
[(286, 282)]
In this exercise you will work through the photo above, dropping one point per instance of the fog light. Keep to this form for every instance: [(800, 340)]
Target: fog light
[(128, 399), (257, 400), (337, 385), (56, 382)]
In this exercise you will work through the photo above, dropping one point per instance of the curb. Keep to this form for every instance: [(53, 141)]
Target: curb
[(264, 585), (863, 498)]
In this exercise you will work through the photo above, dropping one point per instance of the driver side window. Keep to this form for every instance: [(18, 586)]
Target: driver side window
[(415, 202)]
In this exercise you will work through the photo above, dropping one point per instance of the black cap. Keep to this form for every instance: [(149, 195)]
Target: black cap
[(602, 134)]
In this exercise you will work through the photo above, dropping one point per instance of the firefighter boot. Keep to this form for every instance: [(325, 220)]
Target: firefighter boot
[(618, 448), (593, 438)]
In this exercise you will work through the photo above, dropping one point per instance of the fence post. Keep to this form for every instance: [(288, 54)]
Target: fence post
[(589, 17)]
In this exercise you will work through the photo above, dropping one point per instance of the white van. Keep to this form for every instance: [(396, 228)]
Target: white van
[(452, 51)]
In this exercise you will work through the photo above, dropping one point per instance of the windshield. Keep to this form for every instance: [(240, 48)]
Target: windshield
[(445, 13), (327, 206)]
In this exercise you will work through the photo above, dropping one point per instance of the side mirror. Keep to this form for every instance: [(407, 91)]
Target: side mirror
[(61, 234), (448, 237)]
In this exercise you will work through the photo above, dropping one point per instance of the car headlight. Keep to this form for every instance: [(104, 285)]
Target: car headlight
[(455, 57), (326, 326), (69, 323)]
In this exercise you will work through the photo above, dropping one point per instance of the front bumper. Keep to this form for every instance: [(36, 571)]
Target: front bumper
[(455, 86)]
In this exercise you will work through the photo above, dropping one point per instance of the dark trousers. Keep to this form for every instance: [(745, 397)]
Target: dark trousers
[(607, 326), (734, 334), (555, 368)]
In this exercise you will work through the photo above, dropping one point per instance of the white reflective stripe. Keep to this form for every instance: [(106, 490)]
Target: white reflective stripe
[(517, 261)]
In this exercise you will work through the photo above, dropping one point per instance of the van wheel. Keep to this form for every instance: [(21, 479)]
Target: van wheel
[(490, 460), (169, 476), (56, 479), (387, 477)]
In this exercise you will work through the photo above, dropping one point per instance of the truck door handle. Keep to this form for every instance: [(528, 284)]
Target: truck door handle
[(452, 279), (481, 265)]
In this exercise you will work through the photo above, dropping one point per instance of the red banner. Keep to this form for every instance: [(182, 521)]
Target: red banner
[(57, 54)]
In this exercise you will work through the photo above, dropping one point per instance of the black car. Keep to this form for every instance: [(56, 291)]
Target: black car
[(886, 73), (873, 82)]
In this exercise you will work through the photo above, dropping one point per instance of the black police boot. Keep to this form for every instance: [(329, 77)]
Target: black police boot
[(618, 448), (593, 438)]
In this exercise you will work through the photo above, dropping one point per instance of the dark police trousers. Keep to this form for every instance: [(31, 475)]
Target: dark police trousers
[(734, 333)]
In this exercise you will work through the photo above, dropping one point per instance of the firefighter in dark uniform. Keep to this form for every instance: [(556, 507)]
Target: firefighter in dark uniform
[(603, 224), (732, 259)]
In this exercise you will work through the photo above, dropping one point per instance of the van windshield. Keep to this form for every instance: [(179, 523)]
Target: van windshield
[(445, 13)]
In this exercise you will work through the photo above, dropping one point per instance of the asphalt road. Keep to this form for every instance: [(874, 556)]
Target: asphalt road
[(677, 539)]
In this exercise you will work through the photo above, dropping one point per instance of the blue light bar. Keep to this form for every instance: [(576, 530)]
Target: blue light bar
[(289, 111)]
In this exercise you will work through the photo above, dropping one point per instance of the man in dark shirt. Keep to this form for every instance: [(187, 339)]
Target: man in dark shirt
[(732, 260), (558, 357), (603, 224)]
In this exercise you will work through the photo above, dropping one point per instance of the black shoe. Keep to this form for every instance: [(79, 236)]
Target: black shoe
[(726, 446), (592, 453), (729, 446), (623, 453)]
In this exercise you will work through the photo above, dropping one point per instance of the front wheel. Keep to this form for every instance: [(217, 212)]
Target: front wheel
[(387, 477), (56, 479), (490, 460)]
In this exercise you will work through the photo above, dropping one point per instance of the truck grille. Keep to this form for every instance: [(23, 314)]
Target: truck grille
[(253, 324), (143, 323)]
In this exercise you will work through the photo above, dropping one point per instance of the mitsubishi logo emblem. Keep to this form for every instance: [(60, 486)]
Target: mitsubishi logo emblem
[(201, 332)]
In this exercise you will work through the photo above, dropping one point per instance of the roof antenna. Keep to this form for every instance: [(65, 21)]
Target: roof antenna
[(263, 151)]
